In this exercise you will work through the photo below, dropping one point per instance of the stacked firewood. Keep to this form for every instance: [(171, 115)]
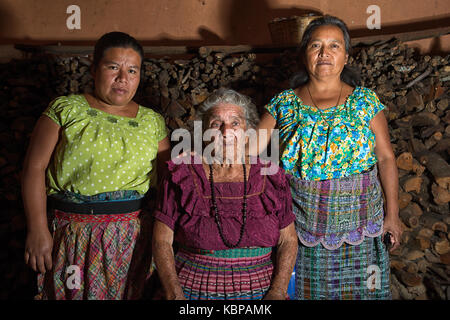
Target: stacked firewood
[(413, 87)]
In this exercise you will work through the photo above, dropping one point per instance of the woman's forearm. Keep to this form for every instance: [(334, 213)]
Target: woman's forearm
[(285, 259), (34, 198), (42, 144), (389, 182), (165, 266), (165, 261)]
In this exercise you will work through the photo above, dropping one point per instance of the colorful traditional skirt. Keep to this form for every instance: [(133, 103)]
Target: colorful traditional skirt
[(235, 274), (339, 223), (99, 257), (351, 272)]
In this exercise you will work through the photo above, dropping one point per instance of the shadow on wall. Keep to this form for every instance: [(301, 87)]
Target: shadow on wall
[(245, 18), (241, 21), (7, 22)]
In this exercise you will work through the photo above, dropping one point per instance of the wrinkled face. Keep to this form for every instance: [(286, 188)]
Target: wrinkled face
[(229, 121), (117, 76), (325, 53)]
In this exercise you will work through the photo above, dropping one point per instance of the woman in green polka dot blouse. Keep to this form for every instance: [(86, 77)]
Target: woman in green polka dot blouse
[(90, 162)]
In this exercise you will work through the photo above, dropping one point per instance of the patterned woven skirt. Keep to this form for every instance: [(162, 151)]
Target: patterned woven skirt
[(339, 224), (235, 274), (350, 272), (98, 257)]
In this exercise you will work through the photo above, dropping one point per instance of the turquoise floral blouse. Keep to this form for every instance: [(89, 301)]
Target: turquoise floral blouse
[(334, 143)]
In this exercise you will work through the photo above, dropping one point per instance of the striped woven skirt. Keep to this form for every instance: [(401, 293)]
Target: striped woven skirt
[(98, 257), (350, 272), (235, 274), (339, 224)]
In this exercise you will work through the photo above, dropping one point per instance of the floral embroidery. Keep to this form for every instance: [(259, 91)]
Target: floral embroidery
[(92, 113), (304, 132), (111, 119), (133, 123)]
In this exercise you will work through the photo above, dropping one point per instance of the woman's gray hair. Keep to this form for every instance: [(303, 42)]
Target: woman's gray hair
[(229, 96)]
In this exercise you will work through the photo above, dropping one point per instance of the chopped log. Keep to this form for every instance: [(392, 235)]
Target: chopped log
[(419, 291), (440, 195), (417, 168), (425, 118), (438, 167), (442, 104), (406, 235), (427, 132), (408, 279), (445, 258), (398, 264), (403, 292), (412, 267), (418, 148), (442, 246), (431, 257), (433, 222), (414, 101), (413, 184), (425, 233), (442, 145), (414, 255), (423, 264), (175, 109), (405, 161), (441, 273), (404, 199), (424, 243), (409, 216), (433, 140)]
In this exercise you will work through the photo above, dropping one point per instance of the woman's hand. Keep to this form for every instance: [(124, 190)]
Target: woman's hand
[(393, 225), (38, 250)]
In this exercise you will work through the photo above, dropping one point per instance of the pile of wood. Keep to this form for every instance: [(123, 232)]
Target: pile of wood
[(415, 91), (172, 87), (413, 87)]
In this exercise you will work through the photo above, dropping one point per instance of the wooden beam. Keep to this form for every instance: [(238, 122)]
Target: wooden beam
[(178, 50)]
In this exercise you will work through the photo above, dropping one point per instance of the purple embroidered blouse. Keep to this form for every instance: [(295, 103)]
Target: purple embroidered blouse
[(185, 206)]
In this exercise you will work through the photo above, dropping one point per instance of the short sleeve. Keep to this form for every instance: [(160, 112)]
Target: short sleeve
[(285, 215), (167, 206), (373, 104), (57, 110), (160, 127), (273, 106)]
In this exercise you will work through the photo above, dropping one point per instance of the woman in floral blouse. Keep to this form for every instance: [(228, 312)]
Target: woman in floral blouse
[(335, 140)]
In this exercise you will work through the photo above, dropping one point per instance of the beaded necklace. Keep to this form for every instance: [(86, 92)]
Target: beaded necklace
[(216, 210)]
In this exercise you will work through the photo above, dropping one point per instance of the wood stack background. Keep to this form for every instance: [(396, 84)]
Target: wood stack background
[(413, 87)]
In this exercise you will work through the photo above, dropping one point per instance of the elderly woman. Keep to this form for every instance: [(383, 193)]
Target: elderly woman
[(336, 141), (225, 216), (90, 162)]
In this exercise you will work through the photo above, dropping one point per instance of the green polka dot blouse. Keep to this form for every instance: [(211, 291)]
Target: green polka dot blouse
[(99, 152)]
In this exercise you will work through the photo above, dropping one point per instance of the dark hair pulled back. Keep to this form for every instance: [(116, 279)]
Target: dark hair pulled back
[(348, 75)]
